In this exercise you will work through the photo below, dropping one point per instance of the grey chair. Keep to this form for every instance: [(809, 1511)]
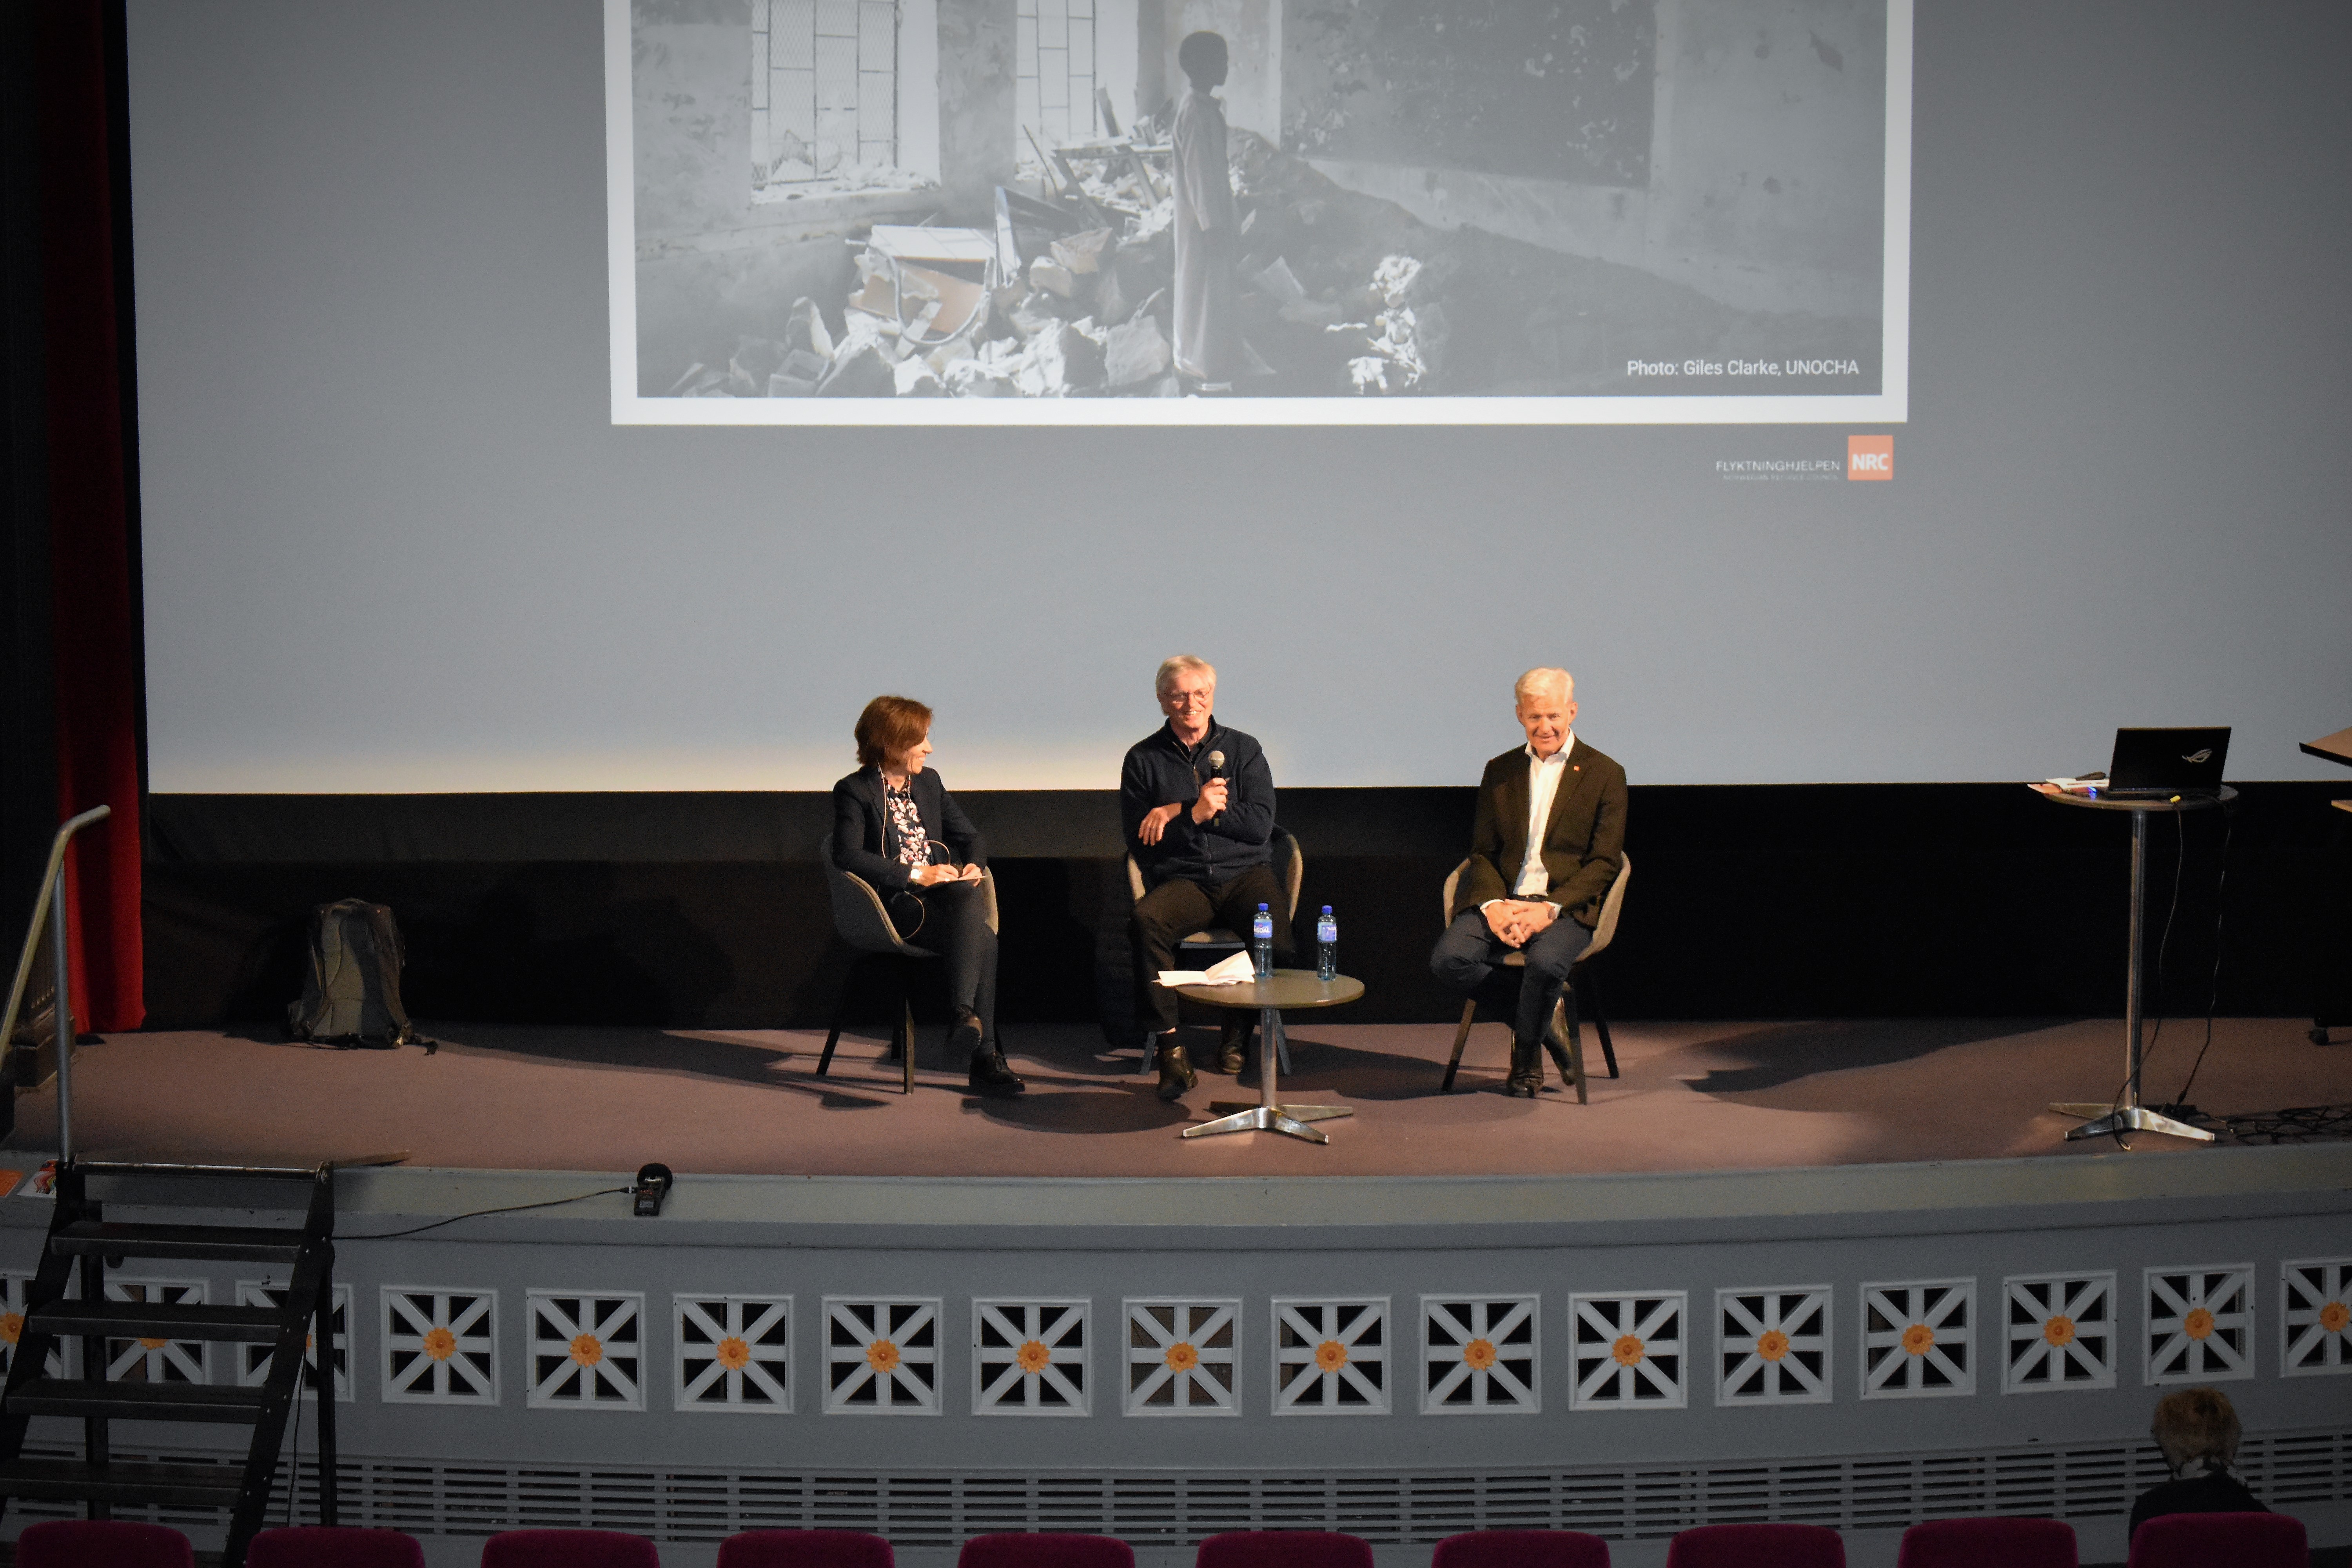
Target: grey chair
[(861, 920), (1289, 870), (1561, 1037)]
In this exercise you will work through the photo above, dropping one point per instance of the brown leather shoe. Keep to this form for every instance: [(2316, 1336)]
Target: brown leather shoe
[(1176, 1074), (1229, 1049), (1527, 1071)]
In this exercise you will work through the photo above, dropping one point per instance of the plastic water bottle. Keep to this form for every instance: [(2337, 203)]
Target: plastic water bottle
[(1327, 946), (1262, 943)]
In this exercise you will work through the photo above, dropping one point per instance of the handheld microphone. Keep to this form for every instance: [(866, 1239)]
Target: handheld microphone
[(1217, 764)]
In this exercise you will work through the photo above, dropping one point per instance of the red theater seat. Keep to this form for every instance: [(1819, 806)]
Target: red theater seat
[(568, 1549), (1011, 1551), (1757, 1546), (1988, 1544), (2209, 1540), (93, 1543), (804, 1548), (1283, 1549), (1521, 1549), (334, 1546)]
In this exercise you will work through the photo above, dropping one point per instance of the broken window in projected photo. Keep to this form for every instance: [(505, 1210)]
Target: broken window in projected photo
[(824, 93), (1053, 75)]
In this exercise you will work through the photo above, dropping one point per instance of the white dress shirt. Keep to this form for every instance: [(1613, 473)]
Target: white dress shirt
[(1544, 775)]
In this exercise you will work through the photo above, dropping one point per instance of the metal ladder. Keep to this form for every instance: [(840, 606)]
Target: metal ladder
[(82, 1245)]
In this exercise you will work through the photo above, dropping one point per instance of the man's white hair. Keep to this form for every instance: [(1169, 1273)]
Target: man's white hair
[(1544, 679), (1169, 666)]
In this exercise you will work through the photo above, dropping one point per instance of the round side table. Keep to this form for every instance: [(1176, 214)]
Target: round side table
[(1292, 990)]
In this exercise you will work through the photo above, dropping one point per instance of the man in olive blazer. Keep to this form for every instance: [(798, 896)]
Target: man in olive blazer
[(1545, 847)]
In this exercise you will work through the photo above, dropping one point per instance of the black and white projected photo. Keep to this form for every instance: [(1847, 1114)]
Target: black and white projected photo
[(1207, 211)]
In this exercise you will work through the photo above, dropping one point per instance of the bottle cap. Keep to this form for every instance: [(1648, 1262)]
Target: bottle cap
[(1261, 909), (1327, 908)]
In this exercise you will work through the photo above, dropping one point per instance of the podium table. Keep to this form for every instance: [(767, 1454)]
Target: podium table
[(1284, 989), (2127, 1115)]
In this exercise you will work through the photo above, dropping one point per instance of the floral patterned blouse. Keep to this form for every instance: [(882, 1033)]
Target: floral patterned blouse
[(914, 844)]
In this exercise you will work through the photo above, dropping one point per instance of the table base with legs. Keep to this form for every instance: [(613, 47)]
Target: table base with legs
[(1284, 988)]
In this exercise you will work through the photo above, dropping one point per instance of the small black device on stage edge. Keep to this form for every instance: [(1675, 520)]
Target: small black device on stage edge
[(652, 1185)]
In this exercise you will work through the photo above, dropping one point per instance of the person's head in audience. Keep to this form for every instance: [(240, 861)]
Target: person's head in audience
[(1201, 58), (1546, 699), (2196, 1427)]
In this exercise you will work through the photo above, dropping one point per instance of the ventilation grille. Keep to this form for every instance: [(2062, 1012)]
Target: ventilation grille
[(1881, 1491)]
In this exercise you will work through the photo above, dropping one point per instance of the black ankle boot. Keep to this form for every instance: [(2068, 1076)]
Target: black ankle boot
[(992, 1074), (1176, 1073), (1527, 1070)]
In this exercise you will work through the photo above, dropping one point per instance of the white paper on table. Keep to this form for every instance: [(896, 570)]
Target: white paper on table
[(1238, 970)]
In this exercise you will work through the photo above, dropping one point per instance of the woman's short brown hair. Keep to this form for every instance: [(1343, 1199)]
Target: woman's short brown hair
[(889, 728), (2196, 1424)]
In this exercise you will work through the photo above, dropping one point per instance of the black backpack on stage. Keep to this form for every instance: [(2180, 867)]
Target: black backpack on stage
[(352, 995)]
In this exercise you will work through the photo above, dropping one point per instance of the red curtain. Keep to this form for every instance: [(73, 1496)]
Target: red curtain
[(91, 558)]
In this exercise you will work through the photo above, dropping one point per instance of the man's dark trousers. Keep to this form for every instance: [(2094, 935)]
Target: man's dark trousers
[(1176, 909), (1469, 951)]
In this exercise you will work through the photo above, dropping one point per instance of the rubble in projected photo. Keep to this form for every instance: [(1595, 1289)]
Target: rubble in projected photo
[(909, 198)]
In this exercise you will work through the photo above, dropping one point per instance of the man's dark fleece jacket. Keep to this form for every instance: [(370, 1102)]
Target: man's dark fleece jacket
[(1160, 770)]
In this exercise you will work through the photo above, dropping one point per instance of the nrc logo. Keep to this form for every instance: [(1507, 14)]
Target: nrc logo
[(1870, 456)]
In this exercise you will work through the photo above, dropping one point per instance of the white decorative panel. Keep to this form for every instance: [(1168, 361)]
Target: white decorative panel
[(2314, 1317), (881, 1357), (1772, 1345), (1330, 1358), (252, 1361), (2200, 1323), (1183, 1357), (734, 1353), (1479, 1355), (13, 1287), (2059, 1332), (1029, 1358), (1626, 1350), (1918, 1339), (440, 1345), (152, 1360), (587, 1350)]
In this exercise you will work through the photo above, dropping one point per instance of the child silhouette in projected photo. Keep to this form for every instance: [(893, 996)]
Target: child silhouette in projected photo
[(1208, 338)]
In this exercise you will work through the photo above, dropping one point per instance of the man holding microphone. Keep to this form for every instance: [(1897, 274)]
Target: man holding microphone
[(1196, 807)]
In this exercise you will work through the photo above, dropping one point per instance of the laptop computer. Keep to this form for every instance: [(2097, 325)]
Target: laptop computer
[(2165, 763)]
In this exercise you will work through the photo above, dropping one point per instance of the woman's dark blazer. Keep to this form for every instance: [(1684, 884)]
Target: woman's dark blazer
[(865, 843)]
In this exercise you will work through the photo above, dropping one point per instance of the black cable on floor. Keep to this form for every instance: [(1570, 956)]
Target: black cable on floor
[(477, 1213)]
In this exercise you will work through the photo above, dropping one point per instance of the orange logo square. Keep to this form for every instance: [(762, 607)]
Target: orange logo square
[(1870, 456)]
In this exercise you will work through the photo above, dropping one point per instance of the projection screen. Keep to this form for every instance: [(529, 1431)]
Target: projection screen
[(404, 531)]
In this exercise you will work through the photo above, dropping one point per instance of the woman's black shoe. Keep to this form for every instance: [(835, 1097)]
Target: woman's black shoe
[(964, 1038), (991, 1075)]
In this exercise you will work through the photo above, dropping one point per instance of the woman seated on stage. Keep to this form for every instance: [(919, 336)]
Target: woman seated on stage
[(895, 824)]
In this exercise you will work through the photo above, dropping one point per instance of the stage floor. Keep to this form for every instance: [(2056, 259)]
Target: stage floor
[(1693, 1097)]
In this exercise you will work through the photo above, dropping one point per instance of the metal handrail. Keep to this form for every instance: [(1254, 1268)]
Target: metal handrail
[(52, 903)]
